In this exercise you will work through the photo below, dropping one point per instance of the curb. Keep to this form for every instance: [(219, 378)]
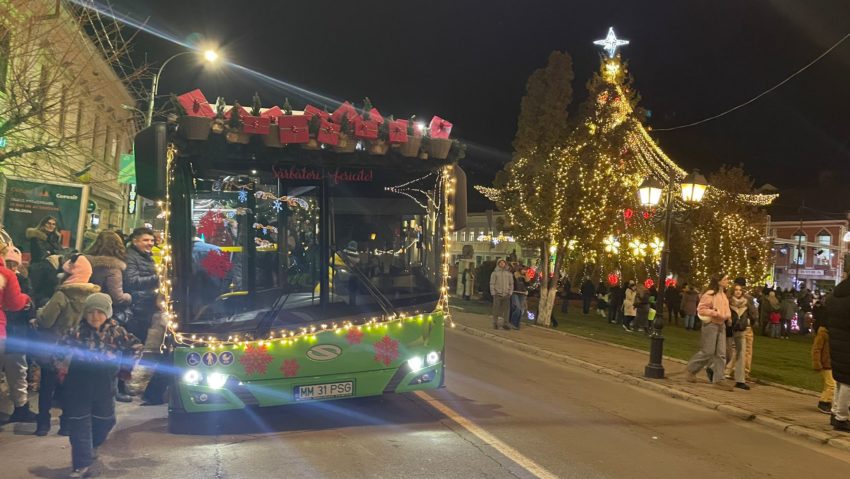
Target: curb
[(796, 430), (675, 360)]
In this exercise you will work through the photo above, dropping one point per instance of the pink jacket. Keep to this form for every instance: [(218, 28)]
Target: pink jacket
[(11, 298), (714, 306)]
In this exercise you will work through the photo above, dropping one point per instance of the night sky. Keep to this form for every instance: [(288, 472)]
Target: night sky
[(468, 60)]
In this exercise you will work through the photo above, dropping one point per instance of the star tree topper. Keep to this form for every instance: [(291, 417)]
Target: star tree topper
[(611, 43)]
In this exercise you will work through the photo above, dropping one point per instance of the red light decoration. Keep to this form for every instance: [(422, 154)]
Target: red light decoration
[(649, 283), (628, 213), (647, 215), (613, 279), (670, 283)]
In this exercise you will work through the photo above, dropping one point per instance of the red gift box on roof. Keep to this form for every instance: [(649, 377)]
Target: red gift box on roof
[(398, 131), (328, 133), (293, 129), (365, 129), (256, 125), (440, 128), (416, 131), (310, 111), (344, 110), (196, 104), (242, 112), (272, 113), (375, 116)]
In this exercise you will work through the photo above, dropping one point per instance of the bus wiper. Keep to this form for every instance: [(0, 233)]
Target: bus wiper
[(376, 293)]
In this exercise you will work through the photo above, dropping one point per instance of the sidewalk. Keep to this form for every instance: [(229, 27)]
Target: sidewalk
[(776, 407)]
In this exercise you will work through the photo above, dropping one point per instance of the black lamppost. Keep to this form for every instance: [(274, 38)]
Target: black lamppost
[(693, 189)]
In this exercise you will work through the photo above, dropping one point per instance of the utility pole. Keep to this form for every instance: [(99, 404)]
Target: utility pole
[(801, 256)]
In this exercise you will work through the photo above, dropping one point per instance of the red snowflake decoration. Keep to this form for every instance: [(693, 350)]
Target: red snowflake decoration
[(386, 350), (210, 223), (255, 360), (217, 264), (289, 368), (354, 336)]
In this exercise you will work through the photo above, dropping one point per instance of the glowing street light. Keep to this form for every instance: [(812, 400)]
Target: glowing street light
[(211, 56)]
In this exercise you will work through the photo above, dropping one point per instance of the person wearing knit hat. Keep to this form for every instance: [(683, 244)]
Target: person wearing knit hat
[(61, 314), (98, 302), (13, 322), (92, 353)]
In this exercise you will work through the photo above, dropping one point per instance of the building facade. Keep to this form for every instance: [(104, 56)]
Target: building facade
[(809, 253), (78, 133), (486, 242)]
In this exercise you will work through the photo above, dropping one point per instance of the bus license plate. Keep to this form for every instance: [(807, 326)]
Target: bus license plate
[(324, 391)]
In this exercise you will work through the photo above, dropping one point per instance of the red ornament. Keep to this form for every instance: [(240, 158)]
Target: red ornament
[(628, 213), (344, 110), (398, 131), (328, 133), (289, 368), (648, 283), (440, 128), (196, 104), (310, 111), (613, 279), (530, 273), (647, 215), (365, 129), (256, 125), (293, 129), (670, 283), (386, 351), (217, 264), (272, 113), (210, 224), (354, 336), (255, 360)]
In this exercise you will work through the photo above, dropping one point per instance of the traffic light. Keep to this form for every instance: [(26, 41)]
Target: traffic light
[(151, 171)]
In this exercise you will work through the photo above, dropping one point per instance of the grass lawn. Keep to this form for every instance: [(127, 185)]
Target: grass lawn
[(785, 361)]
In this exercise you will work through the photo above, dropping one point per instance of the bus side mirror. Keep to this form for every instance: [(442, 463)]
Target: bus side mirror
[(458, 199), (150, 146)]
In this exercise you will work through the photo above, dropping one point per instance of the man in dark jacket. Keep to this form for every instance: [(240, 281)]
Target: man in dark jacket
[(838, 313), (141, 282), (673, 299), (587, 292)]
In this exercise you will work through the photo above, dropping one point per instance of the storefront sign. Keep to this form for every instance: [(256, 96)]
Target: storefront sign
[(28, 202), (811, 272)]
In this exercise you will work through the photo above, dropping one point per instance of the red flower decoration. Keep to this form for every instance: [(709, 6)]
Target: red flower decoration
[(613, 279), (648, 283), (217, 264), (255, 360), (628, 213), (386, 350), (210, 224), (289, 368), (354, 336)]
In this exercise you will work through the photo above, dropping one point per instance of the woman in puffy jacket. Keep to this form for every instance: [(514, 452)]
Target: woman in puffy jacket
[(11, 297)]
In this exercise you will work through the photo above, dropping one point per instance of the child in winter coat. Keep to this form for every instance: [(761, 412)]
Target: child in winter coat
[(91, 353), (12, 360), (61, 314), (822, 362)]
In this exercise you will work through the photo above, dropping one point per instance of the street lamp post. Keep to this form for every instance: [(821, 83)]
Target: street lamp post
[(209, 55), (693, 190)]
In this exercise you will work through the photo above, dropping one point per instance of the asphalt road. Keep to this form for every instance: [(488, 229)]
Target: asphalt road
[(503, 414)]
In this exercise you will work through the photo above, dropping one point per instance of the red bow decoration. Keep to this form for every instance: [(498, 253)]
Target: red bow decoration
[(293, 129), (440, 128), (328, 133), (344, 110), (398, 131), (196, 104), (256, 125), (365, 129)]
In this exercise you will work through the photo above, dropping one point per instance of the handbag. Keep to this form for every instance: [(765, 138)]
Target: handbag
[(707, 319)]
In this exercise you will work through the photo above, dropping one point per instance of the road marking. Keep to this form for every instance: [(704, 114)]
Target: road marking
[(507, 451)]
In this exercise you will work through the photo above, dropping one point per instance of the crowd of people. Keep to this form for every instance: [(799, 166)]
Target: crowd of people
[(73, 326)]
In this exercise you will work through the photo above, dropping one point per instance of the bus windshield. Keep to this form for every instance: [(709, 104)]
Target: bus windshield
[(257, 251)]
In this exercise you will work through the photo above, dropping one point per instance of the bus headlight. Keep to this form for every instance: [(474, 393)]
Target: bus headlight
[(432, 358), (216, 380), (192, 377), (415, 363)]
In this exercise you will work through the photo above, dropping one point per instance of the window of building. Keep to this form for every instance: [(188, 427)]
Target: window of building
[(798, 249), (463, 235), (823, 256), (5, 52), (478, 260)]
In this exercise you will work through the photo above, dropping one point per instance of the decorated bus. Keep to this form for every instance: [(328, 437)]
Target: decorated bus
[(304, 253)]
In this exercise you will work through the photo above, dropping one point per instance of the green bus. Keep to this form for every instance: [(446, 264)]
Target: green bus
[(298, 273)]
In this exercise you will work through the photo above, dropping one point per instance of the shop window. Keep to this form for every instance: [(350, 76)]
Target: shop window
[(798, 249), (823, 256)]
